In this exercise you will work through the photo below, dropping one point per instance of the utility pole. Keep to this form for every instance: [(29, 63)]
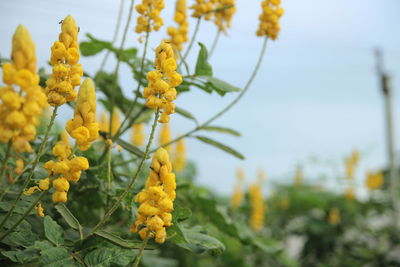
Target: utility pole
[(390, 142)]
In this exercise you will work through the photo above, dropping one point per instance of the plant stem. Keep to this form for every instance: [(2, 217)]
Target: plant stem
[(4, 163), (15, 180), (137, 91), (139, 256), (196, 30), (23, 216), (121, 8), (214, 44), (118, 63), (36, 161), (133, 179), (109, 178), (230, 105), (121, 132)]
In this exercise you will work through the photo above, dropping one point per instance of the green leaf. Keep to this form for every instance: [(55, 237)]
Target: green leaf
[(104, 257), (199, 242), (53, 232), (202, 65), (56, 257), (129, 147), (127, 54), (220, 84), (68, 216), (94, 46), (23, 238), (22, 256), (220, 146), (185, 113), (175, 232), (43, 245), (120, 241), (221, 130)]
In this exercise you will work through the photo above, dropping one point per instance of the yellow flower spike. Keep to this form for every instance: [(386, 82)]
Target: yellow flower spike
[(116, 122), (39, 209), (156, 199), (298, 177), (269, 19), (104, 122), (334, 216), (179, 162), (67, 72), (157, 94), (374, 181), (23, 51), (203, 8), (237, 196), (83, 127), (149, 15), (138, 134), (223, 18), (349, 194), (179, 35), (257, 207), (165, 136)]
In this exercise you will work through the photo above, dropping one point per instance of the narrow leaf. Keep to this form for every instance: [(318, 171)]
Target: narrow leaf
[(129, 147), (222, 130), (220, 84), (120, 241), (69, 217), (220, 146), (185, 113), (202, 65)]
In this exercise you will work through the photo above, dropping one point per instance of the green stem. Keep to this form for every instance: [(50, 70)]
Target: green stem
[(133, 179), (109, 178), (36, 161), (214, 44), (121, 8), (118, 63), (184, 63), (196, 30), (139, 256), (137, 91), (121, 132), (230, 105), (15, 181), (23, 216), (4, 164)]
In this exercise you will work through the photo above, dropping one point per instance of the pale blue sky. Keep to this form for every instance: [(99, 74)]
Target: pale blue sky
[(316, 93)]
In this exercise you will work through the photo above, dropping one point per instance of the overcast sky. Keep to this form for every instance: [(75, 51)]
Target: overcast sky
[(316, 95)]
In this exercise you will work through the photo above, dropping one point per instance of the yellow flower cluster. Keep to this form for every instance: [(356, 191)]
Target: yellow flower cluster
[(351, 163), (349, 194), (160, 91), (83, 127), (156, 199), (269, 19), (237, 196), (179, 35), (203, 8), (67, 72), (66, 169), (104, 124), (334, 216), (224, 16), (165, 137), (257, 207), (374, 181), (138, 134), (20, 109), (149, 18), (298, 177), (179, 162)]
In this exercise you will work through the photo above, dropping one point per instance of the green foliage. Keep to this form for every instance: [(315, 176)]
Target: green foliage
[(221, 146)]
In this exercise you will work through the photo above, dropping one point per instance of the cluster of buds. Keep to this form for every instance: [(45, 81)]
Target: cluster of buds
[(138, 134), (156, 199), (67, 169), (257, 203), (165, 136), (203, 8), (374, 181), (20, 109), (269, 19), (179, 35), (104, 122), (225, 9), (160, 91), (149, 18), (179, 162), (83, 127), (67, 72)]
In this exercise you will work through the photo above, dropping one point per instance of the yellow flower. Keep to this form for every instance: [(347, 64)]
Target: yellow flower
[(257, 207), (39, 210), (138, 134), (31, 190), (269, 19), (203, 8), (59, 196), (224, 16), (160, 91), (237, 196), (165, 136), (83, 127), (67, 72), (156, 199), (374, 181), (44, 184), (349, 194), (351, 163), (334, 216), (298, 178), (179, 162), (179, 35), (61, 184), (149, 15), (20, 166)]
